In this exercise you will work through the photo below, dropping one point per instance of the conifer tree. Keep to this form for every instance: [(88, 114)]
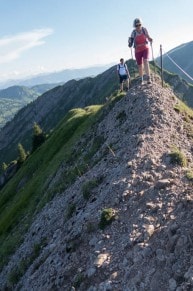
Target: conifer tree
[(22, 154), (4, 166), (38, 137)]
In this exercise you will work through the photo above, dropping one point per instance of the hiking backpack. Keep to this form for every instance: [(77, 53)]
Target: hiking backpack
[(131, 41), (119, 66)]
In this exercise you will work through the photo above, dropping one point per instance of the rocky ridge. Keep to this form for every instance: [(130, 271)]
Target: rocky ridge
[(149, 244)]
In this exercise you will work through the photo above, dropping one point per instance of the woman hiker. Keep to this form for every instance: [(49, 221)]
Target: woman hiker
[(140, 37)]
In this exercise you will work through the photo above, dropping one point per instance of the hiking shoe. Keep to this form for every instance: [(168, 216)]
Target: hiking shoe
[(142, 81), (149, 80)]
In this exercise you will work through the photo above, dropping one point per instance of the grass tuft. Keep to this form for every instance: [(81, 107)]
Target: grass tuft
[(177, 157), (107, 217)]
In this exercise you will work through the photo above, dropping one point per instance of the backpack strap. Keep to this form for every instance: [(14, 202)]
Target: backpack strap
[(144, 31), (124, 66)]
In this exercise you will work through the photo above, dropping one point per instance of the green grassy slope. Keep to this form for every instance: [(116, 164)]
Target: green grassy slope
[(50, 108), (32, 187)]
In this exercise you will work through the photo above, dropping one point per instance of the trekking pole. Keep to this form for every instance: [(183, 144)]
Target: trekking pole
[(131, 53), (161, 58), (153, 56), (133, 69)]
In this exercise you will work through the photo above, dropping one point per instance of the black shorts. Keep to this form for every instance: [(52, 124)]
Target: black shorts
[(122, 78)]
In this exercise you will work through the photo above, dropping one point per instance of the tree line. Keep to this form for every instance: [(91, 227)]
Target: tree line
[(38, 138)]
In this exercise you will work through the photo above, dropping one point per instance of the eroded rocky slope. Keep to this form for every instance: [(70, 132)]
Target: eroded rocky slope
[(149, 244)]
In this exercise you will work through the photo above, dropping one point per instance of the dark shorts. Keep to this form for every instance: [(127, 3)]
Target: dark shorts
[(122, 78), (142, 55)]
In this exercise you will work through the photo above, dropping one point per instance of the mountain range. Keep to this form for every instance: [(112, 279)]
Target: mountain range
[(18, 93), (105, 203), (179, 61), (56, 77), (12, 99)]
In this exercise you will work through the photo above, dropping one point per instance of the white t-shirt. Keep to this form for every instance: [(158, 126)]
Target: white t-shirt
[(122, 69)]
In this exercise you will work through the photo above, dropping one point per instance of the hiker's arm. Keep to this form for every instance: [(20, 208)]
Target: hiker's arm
[(127, 71), (128, 74), (130, 41), (150, 39), (148, 36), (117, 71)]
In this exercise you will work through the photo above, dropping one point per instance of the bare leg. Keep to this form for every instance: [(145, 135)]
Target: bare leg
[(127, 83), (140, 67), (147, 70)]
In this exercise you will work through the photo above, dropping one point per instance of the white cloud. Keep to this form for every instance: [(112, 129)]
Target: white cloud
[(12, 47)]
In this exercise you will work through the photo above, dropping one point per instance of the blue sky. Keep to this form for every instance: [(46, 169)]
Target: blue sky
[(40, 36)]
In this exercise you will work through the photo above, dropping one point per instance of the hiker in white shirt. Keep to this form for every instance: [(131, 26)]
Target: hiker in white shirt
[(123, 74)]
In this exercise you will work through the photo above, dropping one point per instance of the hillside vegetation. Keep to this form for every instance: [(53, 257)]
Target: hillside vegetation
[(48, 109), (28, 190)]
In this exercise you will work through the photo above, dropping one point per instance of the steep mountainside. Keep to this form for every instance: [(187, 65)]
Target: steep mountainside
[(182, 56), (181, 87), (48, 109), (125, 223)]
